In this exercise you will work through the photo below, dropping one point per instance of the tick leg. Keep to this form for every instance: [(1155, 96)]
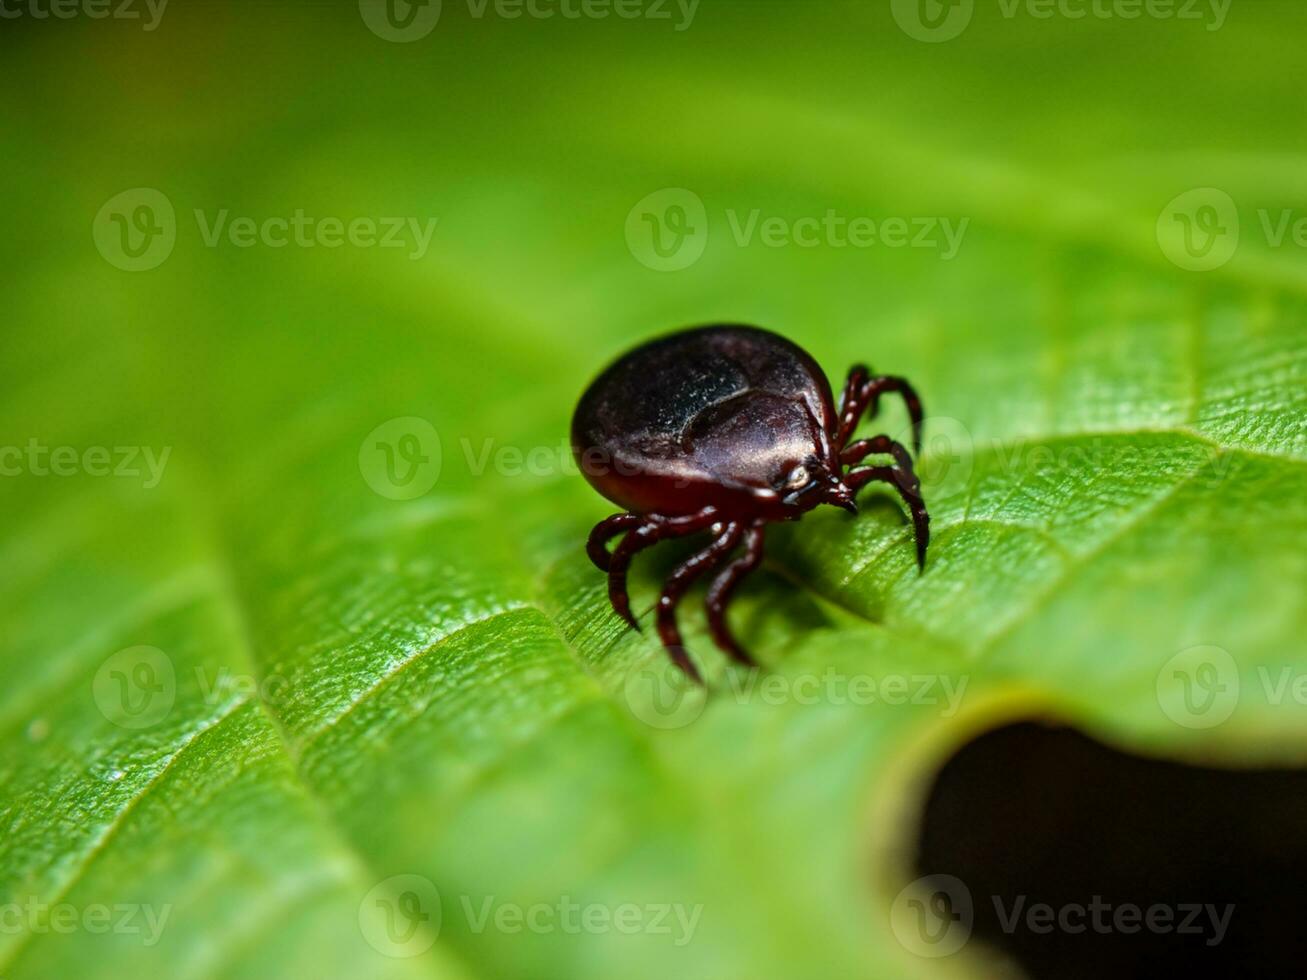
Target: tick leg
[(723, 587), (905, 480), (908, 488), (597, 545), (851, 404), (860, 450), (862, 394), (674, 588), (651, 531)]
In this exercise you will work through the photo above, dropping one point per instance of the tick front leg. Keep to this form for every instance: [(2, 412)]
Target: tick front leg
[(607, 529), (674, 589), (651, 530), (860, 450), (851, 402), (862, 395), (723, 587), (908, 488)]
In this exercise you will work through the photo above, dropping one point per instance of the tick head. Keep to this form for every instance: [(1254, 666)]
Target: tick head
[(812, 482)]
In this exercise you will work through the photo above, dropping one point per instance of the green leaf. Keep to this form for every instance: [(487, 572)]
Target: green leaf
[(259, 693)]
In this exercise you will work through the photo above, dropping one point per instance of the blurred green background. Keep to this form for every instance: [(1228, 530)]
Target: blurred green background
[(281, 689)]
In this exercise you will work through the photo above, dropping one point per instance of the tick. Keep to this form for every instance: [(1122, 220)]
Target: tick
[(726, 429)]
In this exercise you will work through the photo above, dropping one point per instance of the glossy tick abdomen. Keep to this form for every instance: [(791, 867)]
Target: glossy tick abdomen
[(725, 429)]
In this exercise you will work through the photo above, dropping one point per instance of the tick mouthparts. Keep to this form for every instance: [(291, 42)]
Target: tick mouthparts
[(841, 496)]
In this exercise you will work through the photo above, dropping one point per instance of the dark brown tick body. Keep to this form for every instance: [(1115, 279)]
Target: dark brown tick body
[(726, 428)]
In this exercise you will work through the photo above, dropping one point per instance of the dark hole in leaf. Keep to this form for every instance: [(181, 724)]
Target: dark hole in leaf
[(1031, 815)]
